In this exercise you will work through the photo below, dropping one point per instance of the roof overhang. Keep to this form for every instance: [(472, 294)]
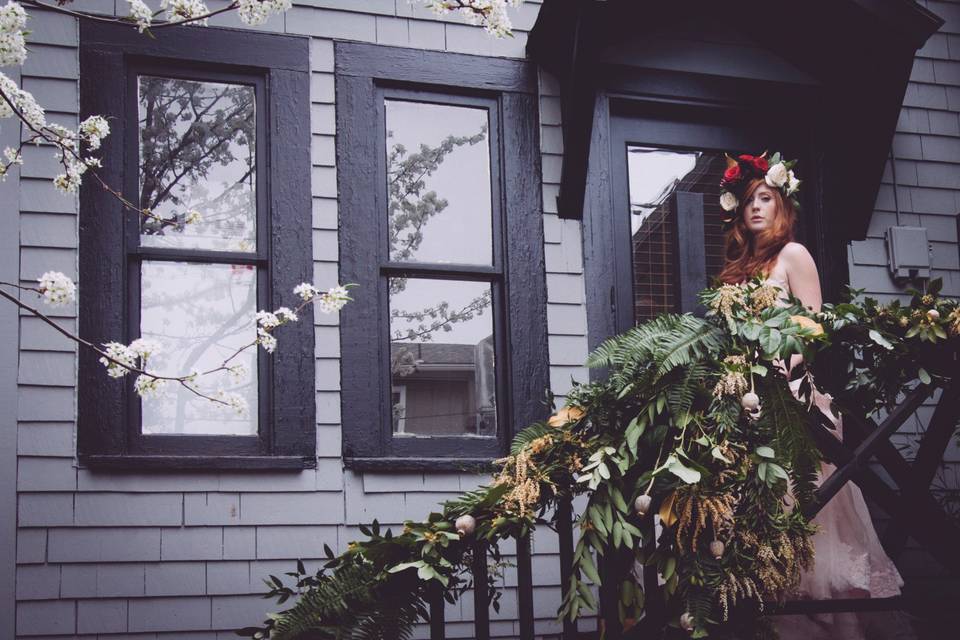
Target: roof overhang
[(860, 51)]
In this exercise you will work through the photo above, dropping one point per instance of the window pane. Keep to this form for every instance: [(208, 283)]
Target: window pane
[(438, 183), (442, 358), (197, 153), (201, 313), (654, 176)]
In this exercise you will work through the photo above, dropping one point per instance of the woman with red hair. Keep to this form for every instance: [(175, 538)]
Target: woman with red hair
[(760, 196)]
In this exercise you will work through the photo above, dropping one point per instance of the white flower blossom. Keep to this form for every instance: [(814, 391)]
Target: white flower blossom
[(334, 299), (56, 288), (267, 319), (306, 291), (193, 217), (141, 14), (12, 155), (123, 355), (183, 10), (13, 49), (267, 341), (490, 14), (286, 315), (233, 401), (792, 183), (32, 112), (145, 347), (728, 201), (12, 17), (777, 175), (148, 387), (254, 12), (238, 373), (94, 130)]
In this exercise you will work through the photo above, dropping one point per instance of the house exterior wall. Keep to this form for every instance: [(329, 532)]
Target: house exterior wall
[(149, 556)]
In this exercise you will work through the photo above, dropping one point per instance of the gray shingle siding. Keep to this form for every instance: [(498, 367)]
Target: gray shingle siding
[(182, 555)]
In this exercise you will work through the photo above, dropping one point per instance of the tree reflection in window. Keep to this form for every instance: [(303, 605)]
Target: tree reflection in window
[(197, 154), (442, 355)]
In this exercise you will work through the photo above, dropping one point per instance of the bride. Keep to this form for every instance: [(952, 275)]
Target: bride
[(760, 196)]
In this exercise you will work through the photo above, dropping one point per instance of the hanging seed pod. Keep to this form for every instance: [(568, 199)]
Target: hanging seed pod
[(933, 315), (750, 401), (466, 525), (687, 622), (717, 548), (642, 504)]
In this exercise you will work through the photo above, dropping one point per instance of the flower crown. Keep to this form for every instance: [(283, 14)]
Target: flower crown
[(776, 172)]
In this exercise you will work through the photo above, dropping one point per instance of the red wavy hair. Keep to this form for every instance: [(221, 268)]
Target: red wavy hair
[(748, 254)]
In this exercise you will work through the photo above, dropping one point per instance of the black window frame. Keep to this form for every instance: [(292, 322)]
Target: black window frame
[(366, 75), (277, 66)]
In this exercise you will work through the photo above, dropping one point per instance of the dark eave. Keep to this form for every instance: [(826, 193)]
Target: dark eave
[(860, 51)]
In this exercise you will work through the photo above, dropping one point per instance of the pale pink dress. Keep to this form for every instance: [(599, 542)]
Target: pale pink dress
[(850, 562)]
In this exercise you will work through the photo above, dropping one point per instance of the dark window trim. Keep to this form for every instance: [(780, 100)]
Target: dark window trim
[(277, 66), (365, 75), (643, 93)]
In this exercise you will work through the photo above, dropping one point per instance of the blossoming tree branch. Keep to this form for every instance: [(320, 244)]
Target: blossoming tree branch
[(75, 153)]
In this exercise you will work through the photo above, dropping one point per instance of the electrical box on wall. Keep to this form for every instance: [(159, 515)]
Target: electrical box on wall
[(908, 252)]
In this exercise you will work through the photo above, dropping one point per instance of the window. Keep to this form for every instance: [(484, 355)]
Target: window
[(218, 137), (444, 350)]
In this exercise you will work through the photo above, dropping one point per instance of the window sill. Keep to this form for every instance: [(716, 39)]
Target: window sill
[(469, 465), (212, 463)]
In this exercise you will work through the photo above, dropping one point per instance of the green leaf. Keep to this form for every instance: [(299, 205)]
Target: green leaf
[(603, 471), (685, 473), (751, 331), (617, 534), (765, 452), (589, 569), (924, 376), (597, 519), (759, 369), (669, 567), (879, 339), (617, 498), (771, 341)]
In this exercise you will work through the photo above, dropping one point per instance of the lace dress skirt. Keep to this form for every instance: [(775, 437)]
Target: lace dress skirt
[(849, 563)]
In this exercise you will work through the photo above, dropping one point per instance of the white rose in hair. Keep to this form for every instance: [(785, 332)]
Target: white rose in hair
[(792, 183), (777, 175), (728, 201)]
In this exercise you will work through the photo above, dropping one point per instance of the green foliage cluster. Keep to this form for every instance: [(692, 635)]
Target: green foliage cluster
[(693, 458)]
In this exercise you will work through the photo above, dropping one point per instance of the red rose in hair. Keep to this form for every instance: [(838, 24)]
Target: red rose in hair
[(757, 162), (732, 175)]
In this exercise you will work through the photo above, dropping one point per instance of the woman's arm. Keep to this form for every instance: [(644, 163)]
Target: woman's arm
[(802, 275)]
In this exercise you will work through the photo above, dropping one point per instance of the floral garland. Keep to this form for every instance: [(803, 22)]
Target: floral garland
[(696, 428), (777, 173)]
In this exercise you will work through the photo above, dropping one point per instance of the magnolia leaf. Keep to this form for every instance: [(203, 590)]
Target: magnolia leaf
[(765, 452), (589, 569), (617, 498), (879, 339), (603, 471), (669, 567), (685, 473), (717, 454)]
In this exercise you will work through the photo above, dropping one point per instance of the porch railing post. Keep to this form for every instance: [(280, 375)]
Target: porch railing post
[(525, 587), (565, 538)]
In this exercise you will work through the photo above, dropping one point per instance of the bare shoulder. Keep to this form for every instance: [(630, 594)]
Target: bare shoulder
[(796, 255), (795, 251)]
